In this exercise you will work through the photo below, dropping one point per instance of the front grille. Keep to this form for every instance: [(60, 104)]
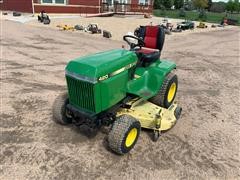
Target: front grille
[(81, 93)]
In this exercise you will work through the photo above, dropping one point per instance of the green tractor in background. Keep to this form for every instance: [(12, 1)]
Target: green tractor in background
[(124, 89)]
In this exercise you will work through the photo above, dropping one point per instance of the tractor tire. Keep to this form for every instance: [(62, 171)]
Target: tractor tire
[(167, 93), (59, 110), (46, 21), (124, 134)]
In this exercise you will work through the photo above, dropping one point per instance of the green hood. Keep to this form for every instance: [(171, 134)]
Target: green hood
[(101, 64)]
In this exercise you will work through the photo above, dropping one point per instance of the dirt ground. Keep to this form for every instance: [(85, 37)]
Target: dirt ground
[(204, 144)]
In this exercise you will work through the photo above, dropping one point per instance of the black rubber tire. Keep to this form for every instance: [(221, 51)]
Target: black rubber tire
[(156, 135), (59, 110), (177, 112), (46, 21), (118, 134), (161, 98)]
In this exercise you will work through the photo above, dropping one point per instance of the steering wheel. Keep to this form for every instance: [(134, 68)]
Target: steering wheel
[(140, 43)]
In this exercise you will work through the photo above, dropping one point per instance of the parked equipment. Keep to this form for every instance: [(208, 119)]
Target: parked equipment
[(231, 21), (167, 29), (93, 28), (186, 25), (16, 14), (107, 34), (44, 18), (66, 27), (124, 89), (202, 25), (147, 15), (140, 32), (79, 27)]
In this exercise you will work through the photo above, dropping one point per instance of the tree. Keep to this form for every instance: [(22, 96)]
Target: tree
[(178, 4), (188, 5), (182, 13), (236, 5), (209, 4), (168, 3), (218, 7), (231, 6), (200, 4), (157, 4), (161, 4)]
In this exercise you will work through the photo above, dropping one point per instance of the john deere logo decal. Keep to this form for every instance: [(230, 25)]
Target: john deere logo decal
[(102, 78)]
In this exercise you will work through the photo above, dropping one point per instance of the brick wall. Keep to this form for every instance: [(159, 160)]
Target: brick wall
[(84, 2), (17, 5)]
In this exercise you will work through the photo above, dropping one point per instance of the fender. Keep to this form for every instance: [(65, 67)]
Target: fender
[(148, 80)]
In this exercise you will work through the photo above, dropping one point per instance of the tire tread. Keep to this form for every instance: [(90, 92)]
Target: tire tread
[(59, 108), (160, 97), (117, 135)]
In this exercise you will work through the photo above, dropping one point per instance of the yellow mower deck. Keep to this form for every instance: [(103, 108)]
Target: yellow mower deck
[(150, 115)]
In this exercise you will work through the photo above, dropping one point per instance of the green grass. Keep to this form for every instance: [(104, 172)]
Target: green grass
[(192, 15)]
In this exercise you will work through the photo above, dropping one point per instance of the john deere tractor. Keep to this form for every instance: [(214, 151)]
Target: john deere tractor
[(124, 89)]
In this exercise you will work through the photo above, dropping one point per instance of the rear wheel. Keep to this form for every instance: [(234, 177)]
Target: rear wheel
[(124, 134), (167, 93), (60, 113)]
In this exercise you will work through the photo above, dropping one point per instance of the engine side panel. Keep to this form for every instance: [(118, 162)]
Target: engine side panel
[(114, 89)]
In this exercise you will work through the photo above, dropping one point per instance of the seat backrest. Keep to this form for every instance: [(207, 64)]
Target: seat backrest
[(154, 37), (151, 34)]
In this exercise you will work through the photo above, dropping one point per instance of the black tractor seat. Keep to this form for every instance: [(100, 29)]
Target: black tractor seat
[(148, 55), (153, 37)]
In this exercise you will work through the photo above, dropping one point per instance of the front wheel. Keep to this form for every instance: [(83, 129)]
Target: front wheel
[(167, 93), (124, 134), (60, 113)]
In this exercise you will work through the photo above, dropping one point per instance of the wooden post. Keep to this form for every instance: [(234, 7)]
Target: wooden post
[(33, 10)]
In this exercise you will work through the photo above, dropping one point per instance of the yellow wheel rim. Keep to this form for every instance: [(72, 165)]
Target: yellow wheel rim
[(171, 92), (131, 137)]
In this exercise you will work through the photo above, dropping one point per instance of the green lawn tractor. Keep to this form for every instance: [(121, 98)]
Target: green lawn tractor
[(124, 89)]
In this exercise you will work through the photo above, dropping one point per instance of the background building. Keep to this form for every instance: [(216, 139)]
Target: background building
[(77, 6)]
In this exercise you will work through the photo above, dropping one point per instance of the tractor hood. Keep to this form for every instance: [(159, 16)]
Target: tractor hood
[(93, 67)]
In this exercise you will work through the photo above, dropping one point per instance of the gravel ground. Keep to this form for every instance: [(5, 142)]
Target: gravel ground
[(204, 144)]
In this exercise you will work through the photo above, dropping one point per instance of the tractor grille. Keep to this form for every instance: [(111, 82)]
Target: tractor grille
[(81, 93)]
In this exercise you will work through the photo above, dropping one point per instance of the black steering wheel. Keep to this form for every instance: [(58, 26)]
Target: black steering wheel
[(140, 43)]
